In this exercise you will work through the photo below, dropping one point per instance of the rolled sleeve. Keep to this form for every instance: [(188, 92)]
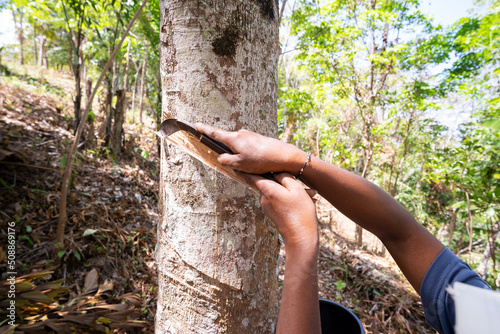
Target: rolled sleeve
[(439, 307)]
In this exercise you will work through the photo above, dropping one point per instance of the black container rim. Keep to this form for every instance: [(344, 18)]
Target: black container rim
[(348, 310)]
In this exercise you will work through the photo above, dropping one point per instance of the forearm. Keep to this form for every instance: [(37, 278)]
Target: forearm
[(410, 244), (299, 310), (360, 200)]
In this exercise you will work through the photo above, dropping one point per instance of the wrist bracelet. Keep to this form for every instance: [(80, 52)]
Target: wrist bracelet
[(304, 165)]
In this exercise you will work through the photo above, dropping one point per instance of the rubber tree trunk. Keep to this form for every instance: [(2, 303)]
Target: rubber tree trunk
[(143, 82), (109, 109), (91, 138), (119, 116), (20, 36), (125, 80), (76, 70), (41, 56), (216, 251), (34, 44), (489, 250), (134, 90)]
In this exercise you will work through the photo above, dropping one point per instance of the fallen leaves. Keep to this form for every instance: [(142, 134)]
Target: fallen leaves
[(103, 278)]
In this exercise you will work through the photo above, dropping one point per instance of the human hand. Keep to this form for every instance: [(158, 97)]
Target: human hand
[(290, 207), (254, 153)]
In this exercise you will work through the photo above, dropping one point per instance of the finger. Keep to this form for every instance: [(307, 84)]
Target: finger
[(265, 186), (288, 181), (215, 133), (229, 160)]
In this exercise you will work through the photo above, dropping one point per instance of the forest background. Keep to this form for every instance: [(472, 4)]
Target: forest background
[(362, 84)]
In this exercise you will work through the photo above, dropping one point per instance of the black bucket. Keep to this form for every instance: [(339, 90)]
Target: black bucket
[(336, 318)]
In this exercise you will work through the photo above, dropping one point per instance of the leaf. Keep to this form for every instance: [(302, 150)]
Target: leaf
[(88, 232), (5, 184), (106, 286), (36, 296), (51, 285), (60, 254), (77, 255), (493, 124), (145, 154), (102, 320), (32, 276), (91, 281), (495, 100)]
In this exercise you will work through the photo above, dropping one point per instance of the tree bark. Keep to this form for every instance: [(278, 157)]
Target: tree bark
[(108, 108), (34, 44), (216, 250), (91, 138), (119, 114), (76, 70), (125, 80), (19, 34), (143, 79), (134, 90), (41, 56), (482, 269)]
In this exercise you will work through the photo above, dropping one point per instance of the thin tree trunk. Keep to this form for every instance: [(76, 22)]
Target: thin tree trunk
[(35, 53), (451, 230), (137, 71), (367, 158), (77, 102), (143, 79), (489, 250), (91, 138), (63, 216), (109, 109), (119, 114), (125, 80), (216, 250), (70, 63), (20, 36), (41, 55)]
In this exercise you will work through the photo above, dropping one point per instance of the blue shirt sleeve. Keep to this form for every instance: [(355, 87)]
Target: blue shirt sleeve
[(439, 307)]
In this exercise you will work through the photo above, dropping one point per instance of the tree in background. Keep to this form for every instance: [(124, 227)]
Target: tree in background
[(374, 75), (216, 252), (353, 53)]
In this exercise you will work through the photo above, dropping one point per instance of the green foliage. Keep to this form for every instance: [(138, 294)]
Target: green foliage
[(360, 92), (99, 24), (492, 124)]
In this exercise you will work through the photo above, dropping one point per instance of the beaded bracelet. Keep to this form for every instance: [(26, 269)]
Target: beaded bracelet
[(304, 165)]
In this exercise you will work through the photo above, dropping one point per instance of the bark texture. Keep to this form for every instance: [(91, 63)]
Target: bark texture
[(216, 252), (119, 117)]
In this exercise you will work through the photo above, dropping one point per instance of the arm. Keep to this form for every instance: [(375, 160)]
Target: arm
[(410, 244), (294, 214)]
